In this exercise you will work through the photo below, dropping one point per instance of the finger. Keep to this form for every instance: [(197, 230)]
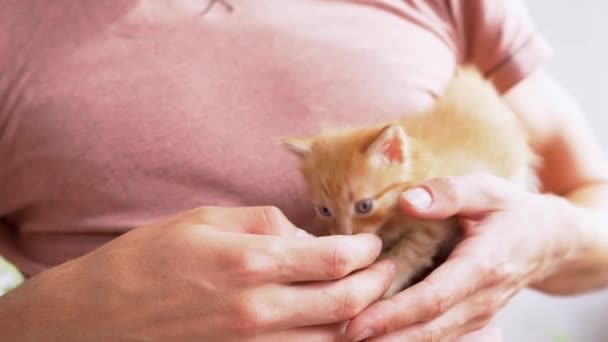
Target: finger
[(470, 195), (453, 324), (491, 332), (285, 260), (470, 315), (449, 284), (251, 220), (325, 258), (323, 302), (321, 333), (425, 332)]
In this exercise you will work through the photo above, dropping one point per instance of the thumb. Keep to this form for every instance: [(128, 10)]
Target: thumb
[(470, 196)]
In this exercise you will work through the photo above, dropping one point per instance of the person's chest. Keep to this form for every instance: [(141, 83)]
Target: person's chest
[(141, 119)]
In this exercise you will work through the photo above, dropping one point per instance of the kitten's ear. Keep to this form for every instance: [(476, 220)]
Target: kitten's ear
[(391, 145), (301, 147)]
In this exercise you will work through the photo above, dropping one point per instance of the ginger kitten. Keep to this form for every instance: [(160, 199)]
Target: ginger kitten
[(355, 175)]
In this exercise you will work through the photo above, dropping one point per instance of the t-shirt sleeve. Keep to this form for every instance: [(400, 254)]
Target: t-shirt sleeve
[(499, 37)]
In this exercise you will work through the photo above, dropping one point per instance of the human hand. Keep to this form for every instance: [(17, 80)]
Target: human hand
[(205, 275), (512, 238)]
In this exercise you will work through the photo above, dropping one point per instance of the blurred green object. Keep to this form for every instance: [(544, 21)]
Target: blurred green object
[(9, 277), (557, 336)]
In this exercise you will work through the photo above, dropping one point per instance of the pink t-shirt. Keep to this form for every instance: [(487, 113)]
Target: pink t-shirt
[(114, 114)]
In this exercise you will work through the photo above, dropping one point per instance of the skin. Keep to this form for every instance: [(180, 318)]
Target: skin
[(210, 274), (221, 2), (555, 241)]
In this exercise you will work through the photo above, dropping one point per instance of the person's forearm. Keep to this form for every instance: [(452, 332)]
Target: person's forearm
[(26, 313), (587, 268)]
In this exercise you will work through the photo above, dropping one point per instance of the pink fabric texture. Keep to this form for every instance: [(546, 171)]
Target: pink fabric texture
[(114, 114)]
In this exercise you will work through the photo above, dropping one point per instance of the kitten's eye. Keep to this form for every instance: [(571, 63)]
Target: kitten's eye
[(324, 211), (364, 206)]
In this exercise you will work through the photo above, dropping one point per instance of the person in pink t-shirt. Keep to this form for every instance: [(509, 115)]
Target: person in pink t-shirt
[(143, 197)]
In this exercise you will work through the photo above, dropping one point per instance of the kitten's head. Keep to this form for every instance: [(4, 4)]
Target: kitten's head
[(355, 176)]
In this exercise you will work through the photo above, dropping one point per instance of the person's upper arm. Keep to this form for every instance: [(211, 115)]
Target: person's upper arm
[(560, 132), (499, 38)]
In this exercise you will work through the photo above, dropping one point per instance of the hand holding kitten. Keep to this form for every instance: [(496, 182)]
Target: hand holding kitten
[(512, 239), (209, 274)]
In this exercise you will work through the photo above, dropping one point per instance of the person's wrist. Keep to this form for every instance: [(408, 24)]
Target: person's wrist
[(37, 310), (20, 318), (568, 238), (591, 254), (574, 240)]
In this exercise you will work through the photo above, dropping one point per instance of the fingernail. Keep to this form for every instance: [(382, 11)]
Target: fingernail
[(366, 333), (418, 197)]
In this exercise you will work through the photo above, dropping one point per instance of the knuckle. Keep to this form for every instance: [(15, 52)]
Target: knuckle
[(444, 302), (431, 334), (495, 197), (492, 273), (487, 312), (248, 318), (249, 266), (477, 325), (340, 262), (493, 191), (441, 304), (272, 219), (447, 188), (501, 300), (211, 216), (438, 302), (349, 305), (485, 315), (201, 214), (272, 214), (447, 184)]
